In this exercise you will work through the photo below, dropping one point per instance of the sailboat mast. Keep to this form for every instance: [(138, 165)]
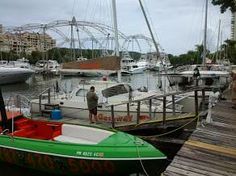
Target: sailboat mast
[(205, 35), (115, 26), (149, 27), (155, 43), (218, 41)]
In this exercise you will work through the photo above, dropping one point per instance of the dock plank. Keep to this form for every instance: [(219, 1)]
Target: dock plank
[(177, 170), (197, 170), (207, 157), (209, 167), (220, 139), (211, 149)]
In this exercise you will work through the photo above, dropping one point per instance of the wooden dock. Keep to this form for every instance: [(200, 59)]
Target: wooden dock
[(211, 149)]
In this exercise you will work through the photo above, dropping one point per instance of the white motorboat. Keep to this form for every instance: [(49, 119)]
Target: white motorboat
[(129, 66), (74, 105), (10, 74), (47, 66), (20, 63), (143, 62), (210, 76), (158, 63)]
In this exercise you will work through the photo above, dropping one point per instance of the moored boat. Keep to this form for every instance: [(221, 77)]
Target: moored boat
[(74, 105), (8, 74), (129, 66), (67, 149)]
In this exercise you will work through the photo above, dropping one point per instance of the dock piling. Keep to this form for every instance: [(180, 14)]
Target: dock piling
[(150, 108), (112, 116), (173, 104), (138, 112), (128, 110), (196, 102), (203, 99), (164, 110), (49, 96)]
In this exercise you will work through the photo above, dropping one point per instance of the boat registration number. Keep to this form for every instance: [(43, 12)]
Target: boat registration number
[(90, 154)]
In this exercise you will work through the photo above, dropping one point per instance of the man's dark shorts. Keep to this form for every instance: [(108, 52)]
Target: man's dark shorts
[(93, 111)]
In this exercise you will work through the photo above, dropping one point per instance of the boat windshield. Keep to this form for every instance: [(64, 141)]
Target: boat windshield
[(81, 92), (116, 90)]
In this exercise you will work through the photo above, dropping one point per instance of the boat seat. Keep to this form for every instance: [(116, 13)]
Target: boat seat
[(63, 138), (82, 134)]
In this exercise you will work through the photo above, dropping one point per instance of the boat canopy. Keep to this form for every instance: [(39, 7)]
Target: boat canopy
[(116, 90)]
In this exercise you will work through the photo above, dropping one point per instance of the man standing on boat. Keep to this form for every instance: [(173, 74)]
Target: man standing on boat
[(196, 75), (92, 101)]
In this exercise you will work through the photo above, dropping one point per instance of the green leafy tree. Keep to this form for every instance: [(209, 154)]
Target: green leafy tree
[(230, 50), (225, 4), (35, 56), (191, 57)]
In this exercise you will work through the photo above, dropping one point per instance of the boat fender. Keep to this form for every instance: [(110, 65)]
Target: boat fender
[(61, 103)]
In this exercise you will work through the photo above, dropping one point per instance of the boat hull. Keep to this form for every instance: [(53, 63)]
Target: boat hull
[(56, 164), (79, 72), (79, 110), (8, 75)]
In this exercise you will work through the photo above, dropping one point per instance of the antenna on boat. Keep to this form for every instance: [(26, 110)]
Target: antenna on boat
[(218, 42), (205, 36), (3, 112)]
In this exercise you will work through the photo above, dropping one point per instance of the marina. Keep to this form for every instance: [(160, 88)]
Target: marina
[(177, 127), (102, 87)]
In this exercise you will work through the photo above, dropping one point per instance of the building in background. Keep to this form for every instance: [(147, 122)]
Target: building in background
[(25, 42), (233, 28), (1, 29)]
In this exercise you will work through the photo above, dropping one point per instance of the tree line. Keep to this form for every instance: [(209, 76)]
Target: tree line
[(62, 55), (227, 52)]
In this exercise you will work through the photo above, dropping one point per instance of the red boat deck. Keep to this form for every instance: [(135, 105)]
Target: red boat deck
[(25, 127)]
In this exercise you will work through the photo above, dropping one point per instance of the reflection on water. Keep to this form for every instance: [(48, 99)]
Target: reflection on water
[(36, 84)]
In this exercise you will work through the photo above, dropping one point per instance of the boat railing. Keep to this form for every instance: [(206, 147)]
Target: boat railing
[(17, 101), (44, 94), (164, 104)]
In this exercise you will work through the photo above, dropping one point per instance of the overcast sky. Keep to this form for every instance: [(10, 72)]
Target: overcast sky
[(178, 24)]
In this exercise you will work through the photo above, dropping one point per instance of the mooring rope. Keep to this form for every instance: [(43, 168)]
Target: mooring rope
[(169, 132), (140, 160)]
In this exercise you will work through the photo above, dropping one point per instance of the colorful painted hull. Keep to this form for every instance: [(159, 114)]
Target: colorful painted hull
[(118, 154), (71, 166)]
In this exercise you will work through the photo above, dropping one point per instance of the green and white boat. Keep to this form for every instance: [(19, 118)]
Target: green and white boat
[(60, 148)]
